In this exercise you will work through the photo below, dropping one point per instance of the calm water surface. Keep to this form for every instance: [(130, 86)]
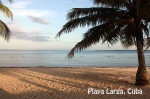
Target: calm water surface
[(57, 58)]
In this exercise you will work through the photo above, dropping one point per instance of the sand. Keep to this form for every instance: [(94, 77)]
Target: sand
[(71, 83)]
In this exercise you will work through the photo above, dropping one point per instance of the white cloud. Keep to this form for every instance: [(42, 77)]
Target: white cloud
[(36, 13), (36, 30), (20, 4), (18, 32), (39, 20), (20, 8)]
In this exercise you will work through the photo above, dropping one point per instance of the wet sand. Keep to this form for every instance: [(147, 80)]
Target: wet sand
[(71, 83)]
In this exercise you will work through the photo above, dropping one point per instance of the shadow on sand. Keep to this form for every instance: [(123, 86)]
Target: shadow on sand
[(63, 83)]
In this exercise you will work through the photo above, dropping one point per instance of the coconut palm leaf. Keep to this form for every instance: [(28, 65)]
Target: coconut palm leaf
[(4, 30), (103, 34), (147, 43), (127, 39), (6, 11), (104, 19), (79, 12), (113, 3), (144, 11), (80, 17)]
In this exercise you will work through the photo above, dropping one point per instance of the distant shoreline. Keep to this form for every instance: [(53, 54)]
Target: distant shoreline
[(72, 67), (66, 50), (57, 58)]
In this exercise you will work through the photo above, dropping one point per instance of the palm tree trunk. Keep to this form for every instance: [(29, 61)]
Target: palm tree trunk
[(141, 75)]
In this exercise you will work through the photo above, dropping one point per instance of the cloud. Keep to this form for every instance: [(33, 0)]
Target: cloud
[(36, 30), (21, 9), (20, 4), (39, 20), (38, 38), (37, 13), (35, 35)]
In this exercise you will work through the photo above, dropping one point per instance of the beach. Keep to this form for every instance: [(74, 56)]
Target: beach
[(71, 83)]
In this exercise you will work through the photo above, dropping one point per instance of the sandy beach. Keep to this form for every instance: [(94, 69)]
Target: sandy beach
[(71, 83)]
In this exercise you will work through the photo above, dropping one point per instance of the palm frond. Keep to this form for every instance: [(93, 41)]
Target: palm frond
[(4, 30), (113, 3), (6, 11), (127, 37), (144, 26), (86, 42), (147, 43), (89, 20), (79, 12), (127, 41), (144, 10), (125, 21), (96, 34), (145, 15), (102, 33), (113, 36)]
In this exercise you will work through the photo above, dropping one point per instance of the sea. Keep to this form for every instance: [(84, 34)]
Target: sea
[(57, 58)]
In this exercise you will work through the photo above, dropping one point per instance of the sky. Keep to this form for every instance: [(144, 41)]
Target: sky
[(36, 23)]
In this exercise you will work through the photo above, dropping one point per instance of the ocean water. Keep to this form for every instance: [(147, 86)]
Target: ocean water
[(57, 58)]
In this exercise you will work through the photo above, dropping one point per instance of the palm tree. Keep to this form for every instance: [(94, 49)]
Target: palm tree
[(4, 30), (112, 21)]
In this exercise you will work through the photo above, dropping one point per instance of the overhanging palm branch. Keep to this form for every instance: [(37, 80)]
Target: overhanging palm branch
[(113, 3), (127, 38), (147, 43), (104, 20), (6, 11), (81, 17), (4, 30)]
